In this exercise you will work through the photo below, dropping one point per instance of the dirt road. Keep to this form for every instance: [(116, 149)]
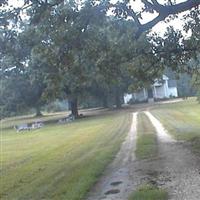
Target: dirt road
[(176, 169), (179, 169), (116, 182)]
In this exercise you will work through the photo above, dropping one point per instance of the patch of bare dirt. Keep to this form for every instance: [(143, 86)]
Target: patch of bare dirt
[(175, 169)]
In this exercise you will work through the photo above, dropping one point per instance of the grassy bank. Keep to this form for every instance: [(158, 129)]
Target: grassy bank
[(59, 161), (182, 120), (146, 146), (148, 192)]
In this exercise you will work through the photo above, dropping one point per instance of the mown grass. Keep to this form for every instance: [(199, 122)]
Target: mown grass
[(182, 120), (59, 161), (148, 192), (146, 146)]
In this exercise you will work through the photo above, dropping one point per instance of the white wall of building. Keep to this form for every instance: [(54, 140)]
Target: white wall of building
[(160, 92), (127, 98), (173, 92), (142, 95)]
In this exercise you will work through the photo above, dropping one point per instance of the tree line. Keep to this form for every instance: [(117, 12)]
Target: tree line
[(70, 50)]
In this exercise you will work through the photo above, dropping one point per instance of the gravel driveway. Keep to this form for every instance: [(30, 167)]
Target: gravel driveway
[(175, 169)]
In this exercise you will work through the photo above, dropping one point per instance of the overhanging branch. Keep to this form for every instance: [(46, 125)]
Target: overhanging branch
[(163, 12)]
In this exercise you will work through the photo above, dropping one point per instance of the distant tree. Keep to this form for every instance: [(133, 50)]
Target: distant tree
[(195, 63), (181, 53), (13, 96), (193, 25), (23, 83), (121, 60), (12, 73), (184, 82)]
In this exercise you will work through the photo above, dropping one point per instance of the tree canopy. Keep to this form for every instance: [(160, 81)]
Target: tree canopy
[(68, 49)]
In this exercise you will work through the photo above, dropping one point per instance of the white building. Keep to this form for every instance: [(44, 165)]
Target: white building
[(161, 89)]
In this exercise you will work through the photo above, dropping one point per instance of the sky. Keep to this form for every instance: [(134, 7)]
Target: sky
[(137, 5)]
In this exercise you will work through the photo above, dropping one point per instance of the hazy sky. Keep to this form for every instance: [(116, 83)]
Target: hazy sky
[(137, 5)]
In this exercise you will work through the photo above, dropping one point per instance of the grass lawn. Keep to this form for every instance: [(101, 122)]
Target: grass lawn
[(182, 120), (148, 192), (146, 146), (59, 161)]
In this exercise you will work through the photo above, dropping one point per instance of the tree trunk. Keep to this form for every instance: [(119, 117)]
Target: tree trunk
[(105, 102), (118, 99), (38, 111), (74, 107)]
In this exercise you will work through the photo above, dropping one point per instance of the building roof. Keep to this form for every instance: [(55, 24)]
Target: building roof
[(164, 77), (172, 83), (160, 81)]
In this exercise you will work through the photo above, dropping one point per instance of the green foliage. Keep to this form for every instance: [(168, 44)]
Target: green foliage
[(73, 49), (196, 78), (184, 83), (69, 51)]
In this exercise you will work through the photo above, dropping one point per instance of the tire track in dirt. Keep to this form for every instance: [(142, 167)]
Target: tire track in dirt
[(177, 169), (116, 184)]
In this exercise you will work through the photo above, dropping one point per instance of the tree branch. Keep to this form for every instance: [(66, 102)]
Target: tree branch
[(131, 13), (163, 12)]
